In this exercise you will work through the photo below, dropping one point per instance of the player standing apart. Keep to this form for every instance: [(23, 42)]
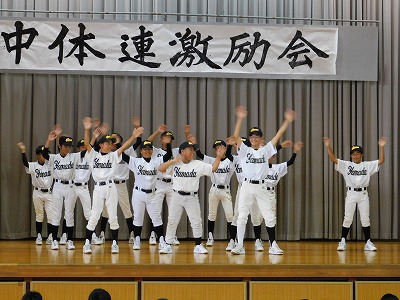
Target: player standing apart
[(357, 174), (254, 162), (42, 180), (186, 173)]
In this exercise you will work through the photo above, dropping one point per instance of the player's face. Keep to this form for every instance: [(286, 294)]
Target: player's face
[(187, 154), (147, 152), (82, 148), (41, 160), (219, 147), (105, 147), (356, 157), (113, 147), (255, 141), (64, 149), (166, 139)]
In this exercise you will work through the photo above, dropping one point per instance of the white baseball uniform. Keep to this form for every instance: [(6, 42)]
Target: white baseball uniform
[(220, 188), (63, 188), (42, 179), (255, 169), (104, 192), (81, 182), (357, 178), (185, 184), (143, 196), (164, 180)]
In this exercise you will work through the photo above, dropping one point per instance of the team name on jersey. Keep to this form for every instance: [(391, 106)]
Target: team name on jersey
[(59, 166), (99, 165), (238, 168), (82, 166), (356, 172), (178, 173), (223, 170), (252, 160), (143, 171), (40, 174), (272, 177)]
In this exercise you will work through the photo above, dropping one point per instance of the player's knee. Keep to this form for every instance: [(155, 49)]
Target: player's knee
[(347, 222)]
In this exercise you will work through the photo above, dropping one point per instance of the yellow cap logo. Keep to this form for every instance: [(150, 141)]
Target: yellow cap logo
[(68, 140), (147, 143)]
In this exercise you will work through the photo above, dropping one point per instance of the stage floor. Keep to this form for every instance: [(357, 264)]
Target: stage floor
[(302, 260)]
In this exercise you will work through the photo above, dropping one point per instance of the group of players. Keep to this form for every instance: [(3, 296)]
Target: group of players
[(173, 174)]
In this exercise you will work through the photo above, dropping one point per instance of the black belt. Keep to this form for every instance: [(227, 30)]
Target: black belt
[(63, 181), (186, 193), (144, 190), (165, 180), (80, 183), (119, 181), (42, 190), (270, 188), (358, 189), (102, 182), (221, 187), (254, 181)]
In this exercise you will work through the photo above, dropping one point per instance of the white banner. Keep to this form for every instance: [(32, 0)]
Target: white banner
[(179, 49)]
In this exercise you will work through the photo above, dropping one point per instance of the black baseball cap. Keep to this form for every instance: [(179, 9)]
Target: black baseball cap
[(219, 143), (185, 145), (80, 143), (40, 149), (65, 140), (168, 133), (357, 148), (146, 144), (255, 131), (106, 138)]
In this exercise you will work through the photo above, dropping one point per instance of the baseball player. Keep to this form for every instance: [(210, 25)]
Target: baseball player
[(256, 216), (143, 196), (186, 173), (357, 175), (42, 180), (63, 188), (255, 167), (121, 176), (164, 181), (105, 192), (220, 189)]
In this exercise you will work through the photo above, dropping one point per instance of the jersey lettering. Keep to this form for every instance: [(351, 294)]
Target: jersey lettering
[(178, 173), (238, 168), (59, 166), (272, 177), (82, 166), (223, 170), (142, 171), (356, 172), (98, 165), (42, 174), (252, 160)]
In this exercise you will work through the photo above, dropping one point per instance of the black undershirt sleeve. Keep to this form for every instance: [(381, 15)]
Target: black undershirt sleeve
[(199, 154), (167, 156), (125, 157), (291, 160), (229, 153), (137, 143), (25, 160)]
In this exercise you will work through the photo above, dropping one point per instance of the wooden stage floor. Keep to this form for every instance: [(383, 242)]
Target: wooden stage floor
[(303, 260)]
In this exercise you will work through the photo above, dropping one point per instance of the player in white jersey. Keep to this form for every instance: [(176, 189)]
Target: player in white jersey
[(81, 180), (63, 165), (254, 162), (164, 181), (105, 192), (220, 190), (42, 180), (121, 177), (357, 175), (143, 195), (256, 216), (186, 173)]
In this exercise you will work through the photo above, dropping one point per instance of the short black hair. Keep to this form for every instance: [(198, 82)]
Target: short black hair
[(99, 294), (32, 296)]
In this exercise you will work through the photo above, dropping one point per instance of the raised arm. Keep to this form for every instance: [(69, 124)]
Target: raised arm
[(382, 142), (241, 113), (164, 166), (327, 142), (290, 116), (56, 132), (22, 148), (296, 149), (220, 153), (161, 128), (136, 132)]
